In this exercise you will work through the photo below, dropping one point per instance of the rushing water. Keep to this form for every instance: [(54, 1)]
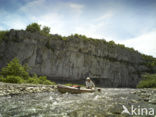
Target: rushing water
[(107, 103)]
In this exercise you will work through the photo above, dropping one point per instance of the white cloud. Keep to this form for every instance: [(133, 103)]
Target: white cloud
[(76, 6), (145, 43), (17, 24), (11, 20), (96, 27), (90, 29), (41, 7), (107, 15), (1, 28), (34, 7)]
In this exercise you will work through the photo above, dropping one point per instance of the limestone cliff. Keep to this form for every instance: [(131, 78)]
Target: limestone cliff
[(74, 58)]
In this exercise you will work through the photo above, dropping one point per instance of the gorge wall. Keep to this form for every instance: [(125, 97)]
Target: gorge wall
[(73, 59)]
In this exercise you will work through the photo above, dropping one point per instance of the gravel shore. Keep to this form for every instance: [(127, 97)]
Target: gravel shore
[(15, 89)]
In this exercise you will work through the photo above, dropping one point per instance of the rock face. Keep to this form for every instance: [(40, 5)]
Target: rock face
[(73, 59)]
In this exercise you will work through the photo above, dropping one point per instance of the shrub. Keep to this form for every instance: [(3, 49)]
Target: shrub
[(48, 82), (147, 84), (121, 45), (14, 68), (45, 30), (149, 81), (33, 80), (2, 79), (26, 67), (150, 62), (34, 27), (41, 79), (3, 35), (13, 79), (111, 42)]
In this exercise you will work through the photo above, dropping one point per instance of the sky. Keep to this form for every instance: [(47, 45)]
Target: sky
[(129, 22)]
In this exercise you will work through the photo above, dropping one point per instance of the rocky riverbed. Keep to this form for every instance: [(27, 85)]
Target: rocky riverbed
[(15, 89), (45, 101)]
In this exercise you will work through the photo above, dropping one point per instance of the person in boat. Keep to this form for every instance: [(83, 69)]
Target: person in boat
[(89, 83)]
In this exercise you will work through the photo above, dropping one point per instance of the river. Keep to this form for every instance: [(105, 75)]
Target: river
[(108, 103)]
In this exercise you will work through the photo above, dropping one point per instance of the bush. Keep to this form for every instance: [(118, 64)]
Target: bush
[(13, 79), (34, 27), (42, 78), (45, 30), (149, 81), (150, 62), (39, 80), (48, 82), (33, 80), (3, 35), (122, 45), (2, 79), (147, 84), (111, 42), (14, 68)]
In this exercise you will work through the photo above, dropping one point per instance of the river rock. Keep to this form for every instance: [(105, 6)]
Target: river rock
[(14, 89), (153, 99)]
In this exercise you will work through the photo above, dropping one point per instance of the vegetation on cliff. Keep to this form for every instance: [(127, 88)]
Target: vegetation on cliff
[(34, 27), (148, 81), (150, 62), (14, 72), (3, 35)]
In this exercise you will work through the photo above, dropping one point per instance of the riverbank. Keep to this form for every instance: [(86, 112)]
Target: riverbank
[(15, 89)]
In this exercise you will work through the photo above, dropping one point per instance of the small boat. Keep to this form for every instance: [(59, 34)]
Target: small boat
[(73, 90)]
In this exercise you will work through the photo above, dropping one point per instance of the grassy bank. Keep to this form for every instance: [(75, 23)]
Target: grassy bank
[(148, 81)]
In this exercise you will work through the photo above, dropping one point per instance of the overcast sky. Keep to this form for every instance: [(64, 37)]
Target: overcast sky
[(130, 22)]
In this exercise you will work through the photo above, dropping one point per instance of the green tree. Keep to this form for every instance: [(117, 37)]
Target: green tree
[(111, 42), (34, 27), (45, 30), (14, 68)]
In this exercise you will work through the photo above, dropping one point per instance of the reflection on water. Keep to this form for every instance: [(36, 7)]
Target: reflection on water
[(54, 104)]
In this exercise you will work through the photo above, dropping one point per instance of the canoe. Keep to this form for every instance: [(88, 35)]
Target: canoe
[(73, 90)]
